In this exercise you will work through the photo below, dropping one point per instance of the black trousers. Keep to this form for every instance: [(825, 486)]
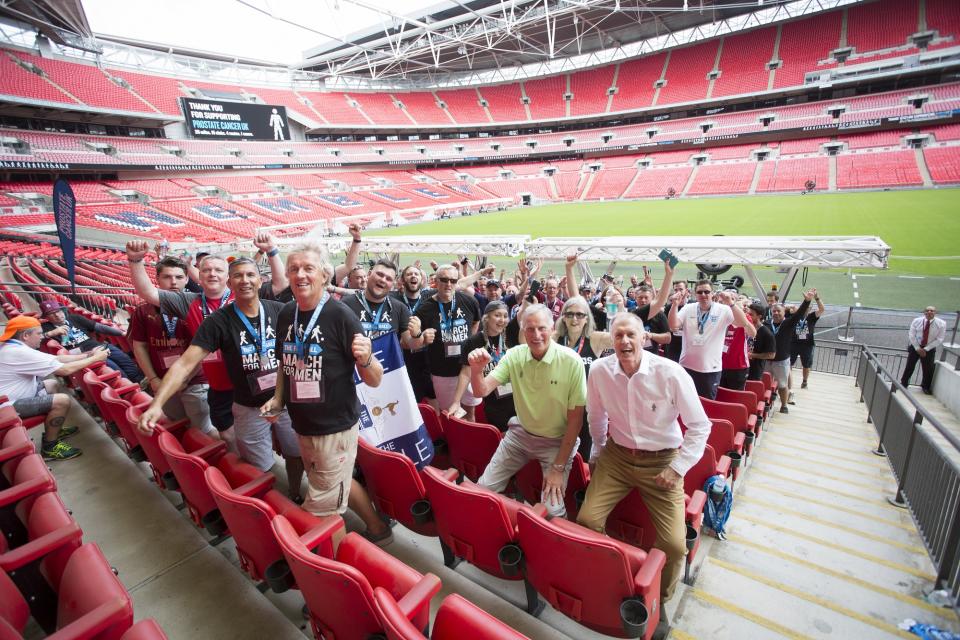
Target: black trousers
[(926, 366)]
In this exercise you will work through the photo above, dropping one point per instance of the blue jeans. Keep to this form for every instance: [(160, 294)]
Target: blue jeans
[(120, 361)]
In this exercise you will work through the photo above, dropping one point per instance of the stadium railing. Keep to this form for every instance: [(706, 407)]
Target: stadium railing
[(923, 455)]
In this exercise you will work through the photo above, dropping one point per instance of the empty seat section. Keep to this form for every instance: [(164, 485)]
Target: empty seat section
[(803, 44), (792, 174), (656, 182), (546, 97), (423, 108), (810, 145), (503, 102), (17, 81), (883, 169), (635, 82), (610, 183), (334, 107), (88, 84), (943, 163), (743, 62), (160, 91), (874, 139), (381, 108), (723, 178), (153, 188), (464, 106), (882, 24), (589, 89), (687, 73), (944, 17)]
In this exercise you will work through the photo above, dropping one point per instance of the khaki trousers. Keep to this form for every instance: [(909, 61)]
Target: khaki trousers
[(617, 472)]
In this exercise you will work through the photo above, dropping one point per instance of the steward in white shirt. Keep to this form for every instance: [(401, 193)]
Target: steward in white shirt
[(633, 400), (925, 335)]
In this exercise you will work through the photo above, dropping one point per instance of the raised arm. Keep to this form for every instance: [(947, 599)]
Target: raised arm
[(471, 279), (181, 370), (820, 307), (136, 251), (672, 318), (97, 355), (268, 244), (664, 294), (739, 317), (571, 279), (353, 254)]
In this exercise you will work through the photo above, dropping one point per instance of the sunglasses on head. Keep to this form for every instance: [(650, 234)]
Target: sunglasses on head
[(446, 280), (574, 314)]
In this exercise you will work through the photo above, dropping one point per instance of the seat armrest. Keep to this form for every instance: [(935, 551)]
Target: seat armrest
[(418, 597), (97, 621), (752, 422), (258, 486), (175, 428), (694, 508), (23, 490), (39, 547), (113, 375), (723, 466), (212, 452), (16, 450), (320, 539), (143, 406), (740, 441), (649, 574), (450, 474), (761, 407), (127, 388)]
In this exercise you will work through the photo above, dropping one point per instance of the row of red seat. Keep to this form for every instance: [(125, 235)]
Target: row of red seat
[(805, 45), (47, 572)]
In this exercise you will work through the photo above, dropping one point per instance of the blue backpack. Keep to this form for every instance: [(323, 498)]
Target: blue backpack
[(719, 503)]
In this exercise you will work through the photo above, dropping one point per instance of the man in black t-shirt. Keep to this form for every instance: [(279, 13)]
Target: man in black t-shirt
[(413, 293), (448, 319), (783, 329), (803, 340), (763, 346), (75, 333), (380, 313), (244, 332), (322, 346), (655, 324)]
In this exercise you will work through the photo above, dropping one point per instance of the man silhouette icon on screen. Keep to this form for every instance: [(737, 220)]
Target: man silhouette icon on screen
[(277, 123)]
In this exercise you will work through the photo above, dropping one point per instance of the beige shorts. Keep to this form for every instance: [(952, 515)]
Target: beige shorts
[(328, 461)]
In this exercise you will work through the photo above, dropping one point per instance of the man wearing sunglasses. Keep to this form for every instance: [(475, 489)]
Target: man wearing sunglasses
[(448, 319), (704, 327)]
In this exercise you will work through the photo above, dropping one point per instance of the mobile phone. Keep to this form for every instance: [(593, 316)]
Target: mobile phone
[(535, 287), (666, 254), (271, 414)]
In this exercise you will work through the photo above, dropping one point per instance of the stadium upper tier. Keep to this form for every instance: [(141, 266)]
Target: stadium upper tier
[(842, 115), (769, 58)]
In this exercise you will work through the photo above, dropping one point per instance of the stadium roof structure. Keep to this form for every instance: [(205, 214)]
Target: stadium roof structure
[(465, 42)]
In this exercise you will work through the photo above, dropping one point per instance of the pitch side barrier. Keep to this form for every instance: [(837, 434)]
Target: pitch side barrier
[(790, 252)]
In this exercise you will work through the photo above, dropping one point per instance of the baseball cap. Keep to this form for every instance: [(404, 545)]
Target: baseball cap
[(493, 283), (19, 323), (49, 306)]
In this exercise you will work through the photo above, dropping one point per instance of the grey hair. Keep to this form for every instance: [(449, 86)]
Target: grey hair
[(533, 310), (317, 250), (560, 329), (444, 267), (626, 316)]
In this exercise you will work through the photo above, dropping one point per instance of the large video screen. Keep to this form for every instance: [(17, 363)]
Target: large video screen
[(216, 120)]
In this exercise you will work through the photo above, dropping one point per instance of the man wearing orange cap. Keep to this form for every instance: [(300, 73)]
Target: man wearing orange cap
[(22, 372)]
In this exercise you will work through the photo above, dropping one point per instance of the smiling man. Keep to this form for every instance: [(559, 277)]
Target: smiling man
[(549, 391), (634, 398)]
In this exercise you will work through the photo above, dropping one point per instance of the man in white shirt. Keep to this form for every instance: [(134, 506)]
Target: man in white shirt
[(633, 401), (704, 328), (925, 335), (22, 373)]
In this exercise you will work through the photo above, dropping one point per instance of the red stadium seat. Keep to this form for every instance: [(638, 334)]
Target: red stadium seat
[(476, 525), (472, 445), (529, 482), (190, 457), (114, 404), (724, 438), (339, 590), (431, 420), (27, 477), (457, 618), (707, 466), (750, 402), (395, 486), (92, 602), (736, 414), (50, 535), (248, 515), (15, 443), (150, 444), (604, 584), (762, 393)]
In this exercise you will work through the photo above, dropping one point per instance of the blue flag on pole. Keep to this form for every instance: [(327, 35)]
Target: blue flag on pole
[(65, 213), (389, 416)]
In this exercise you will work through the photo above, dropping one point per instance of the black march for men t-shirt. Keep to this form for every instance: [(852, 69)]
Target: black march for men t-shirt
[(803, 332), (378, 318), (79, 335), (453, 321), (249, 358), (319, 390), (498, 406)]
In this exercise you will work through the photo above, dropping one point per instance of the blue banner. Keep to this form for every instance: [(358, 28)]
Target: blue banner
[(389, 416), (65, 214)]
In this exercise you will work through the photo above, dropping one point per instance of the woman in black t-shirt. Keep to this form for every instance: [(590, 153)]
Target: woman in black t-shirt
[(498, 406)]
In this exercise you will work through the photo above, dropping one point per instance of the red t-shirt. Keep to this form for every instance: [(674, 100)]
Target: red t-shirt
[(148, 325), (735, 349), (194, 307)]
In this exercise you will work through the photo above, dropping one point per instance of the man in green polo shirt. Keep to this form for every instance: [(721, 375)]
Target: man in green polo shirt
[(549, 390)]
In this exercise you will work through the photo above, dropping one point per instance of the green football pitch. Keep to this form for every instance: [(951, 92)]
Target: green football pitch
[(922, 228)]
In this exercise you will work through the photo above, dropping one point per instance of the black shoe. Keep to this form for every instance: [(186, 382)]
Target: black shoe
[(929, 392), (783, 409), (803, 385)]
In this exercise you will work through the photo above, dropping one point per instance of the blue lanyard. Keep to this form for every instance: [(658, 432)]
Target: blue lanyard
[(374, 323), (203, 302), (170, 324), (413, 307), (775, 327), (257, 337), (299, 339), (702, 317), (444, 322)]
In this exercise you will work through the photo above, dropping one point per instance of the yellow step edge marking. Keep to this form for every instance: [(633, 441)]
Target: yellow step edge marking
[(920, 573), (817, 600), (829, 505), (830, 490), (871, 462), (816, 472), (862, 455), (747, 615), (677, 634), (869, 435), (826, 523), (943, 612)]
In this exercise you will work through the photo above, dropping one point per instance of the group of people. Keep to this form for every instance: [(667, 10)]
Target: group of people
[(560, 368)]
